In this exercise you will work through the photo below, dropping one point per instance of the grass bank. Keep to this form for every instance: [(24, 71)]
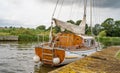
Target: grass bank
[(109, 41), (26, 37), (118, 55), (99, 62)]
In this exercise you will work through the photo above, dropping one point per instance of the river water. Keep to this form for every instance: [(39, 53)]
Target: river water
[(17, 57)]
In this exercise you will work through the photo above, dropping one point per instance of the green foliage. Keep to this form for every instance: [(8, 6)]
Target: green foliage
[(108, 28), (24, 34), (118, 55), (87, 30), (23, 31), (117, 28), (56, 29), (112, 27), (26, 37), (78, 22), (71, 21), (96, 29), (102, 34), (110, 41), (4, 34), (41, 27)]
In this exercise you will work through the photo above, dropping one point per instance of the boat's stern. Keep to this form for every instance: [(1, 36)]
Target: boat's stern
[(49, 56)]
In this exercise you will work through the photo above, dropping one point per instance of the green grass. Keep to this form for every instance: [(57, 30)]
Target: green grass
[(109, 41), (118, 55), (26, 37), (4, 34), (25, 34)]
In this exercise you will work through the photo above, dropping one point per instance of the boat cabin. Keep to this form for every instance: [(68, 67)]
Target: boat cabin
[(73, 41), (88, 41)]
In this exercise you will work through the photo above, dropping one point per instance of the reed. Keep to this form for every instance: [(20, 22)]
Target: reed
[(109, 41), (27, 37)]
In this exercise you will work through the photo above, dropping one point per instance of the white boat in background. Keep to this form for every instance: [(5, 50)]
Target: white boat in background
[(65, 47)]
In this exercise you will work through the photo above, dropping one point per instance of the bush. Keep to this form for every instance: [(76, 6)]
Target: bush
[(102, 34), (26, 37), (109, 41)]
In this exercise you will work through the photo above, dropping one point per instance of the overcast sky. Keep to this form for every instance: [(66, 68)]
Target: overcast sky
[(32, 13)]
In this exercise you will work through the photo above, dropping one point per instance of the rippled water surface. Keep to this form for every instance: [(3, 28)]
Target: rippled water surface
[(17, 58)]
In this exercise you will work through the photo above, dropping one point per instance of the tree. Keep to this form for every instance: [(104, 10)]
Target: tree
[(117, 28), (102, 34), (41, 27), (111, 27), (57, 29), (71, 21), (108, 26), (87, 30), (96, 29), (78, 22)]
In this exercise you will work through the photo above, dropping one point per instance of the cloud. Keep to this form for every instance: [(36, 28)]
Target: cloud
[(98, 3), (28, 12), (108, 3), (8, 23), (32, 13), (65, 2)]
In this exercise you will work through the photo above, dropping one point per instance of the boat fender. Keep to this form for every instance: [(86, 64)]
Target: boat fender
[(56, 60), (36, 59)]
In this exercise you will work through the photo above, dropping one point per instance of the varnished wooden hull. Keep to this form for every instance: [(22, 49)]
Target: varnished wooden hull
[(65, 48), (65, 56), (47, 54), (71, 56)]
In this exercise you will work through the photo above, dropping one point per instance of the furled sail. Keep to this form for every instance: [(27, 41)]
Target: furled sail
[(71, 27)]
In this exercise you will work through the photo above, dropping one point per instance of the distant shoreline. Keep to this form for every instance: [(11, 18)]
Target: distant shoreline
[(9, 38)]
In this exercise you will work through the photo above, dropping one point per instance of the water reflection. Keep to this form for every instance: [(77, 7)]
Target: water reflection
[(43, 69), (16, 57)]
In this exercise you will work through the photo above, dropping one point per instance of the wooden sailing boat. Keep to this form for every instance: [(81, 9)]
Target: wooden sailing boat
[(66, 47)]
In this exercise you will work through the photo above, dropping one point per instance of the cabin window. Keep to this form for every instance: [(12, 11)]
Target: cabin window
[(88, 42), (92, 42)]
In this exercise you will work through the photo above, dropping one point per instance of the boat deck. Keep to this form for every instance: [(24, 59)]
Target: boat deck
[(73, 48)]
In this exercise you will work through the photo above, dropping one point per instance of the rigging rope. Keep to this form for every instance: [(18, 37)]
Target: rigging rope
[(60, 9), (98, 17), (50, 35), (78, 11), (55, 8), (71, 9)]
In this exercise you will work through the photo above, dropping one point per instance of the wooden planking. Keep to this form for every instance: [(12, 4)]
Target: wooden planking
[(38, 51), (47, 51), (57, 53), (60, 54), (77, 40), (48, 57), (68, 40)]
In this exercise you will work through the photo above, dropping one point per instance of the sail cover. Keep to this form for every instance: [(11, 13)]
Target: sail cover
[(71, 27)]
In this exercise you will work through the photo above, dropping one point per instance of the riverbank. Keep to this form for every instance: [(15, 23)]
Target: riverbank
[(99, 62), (9, 38)]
